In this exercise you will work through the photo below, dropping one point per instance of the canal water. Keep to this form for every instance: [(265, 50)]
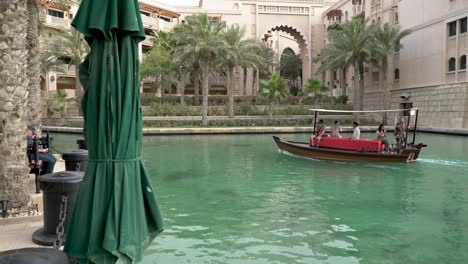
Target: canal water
[(236, 199)]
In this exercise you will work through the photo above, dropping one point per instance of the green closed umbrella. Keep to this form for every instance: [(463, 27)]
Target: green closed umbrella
[(116, 215)]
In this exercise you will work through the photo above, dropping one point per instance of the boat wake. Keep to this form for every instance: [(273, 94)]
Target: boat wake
[(457, 163)]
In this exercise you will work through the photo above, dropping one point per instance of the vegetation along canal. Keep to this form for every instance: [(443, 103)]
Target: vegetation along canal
[(236, 199)]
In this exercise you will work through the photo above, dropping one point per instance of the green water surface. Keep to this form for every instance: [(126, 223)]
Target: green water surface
[(236, 199)]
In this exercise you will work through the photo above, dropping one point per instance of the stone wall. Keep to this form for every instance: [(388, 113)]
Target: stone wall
[(373, 100), (442, 106)]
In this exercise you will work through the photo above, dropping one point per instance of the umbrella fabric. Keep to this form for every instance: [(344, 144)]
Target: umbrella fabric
[(116, 215)]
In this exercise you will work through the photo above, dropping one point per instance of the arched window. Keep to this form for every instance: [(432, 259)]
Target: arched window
[(236, 6), (346, 15), (452, 64), (397, 74), (463, 62)]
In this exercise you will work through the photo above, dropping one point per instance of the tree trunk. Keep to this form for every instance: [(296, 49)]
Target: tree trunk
[(205, 90), (270, 107), (244, 87), (361, 86), (230, 90), (163, 83), (34, 69), (13, 99), (182, 91), (343, 81), (78, 89), (254, 82), (385, 93), (196, 85)]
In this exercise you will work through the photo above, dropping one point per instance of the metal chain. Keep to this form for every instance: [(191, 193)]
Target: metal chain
[(60, 228)]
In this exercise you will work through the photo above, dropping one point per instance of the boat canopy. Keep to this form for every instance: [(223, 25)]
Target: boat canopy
[(366, 111)]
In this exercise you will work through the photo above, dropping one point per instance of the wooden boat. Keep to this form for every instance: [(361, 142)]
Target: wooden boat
[(364, 150)]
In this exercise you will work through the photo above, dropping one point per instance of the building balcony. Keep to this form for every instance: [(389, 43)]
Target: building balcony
[(150, 22), (218, 80), (358, 11), (66, 70), (57, 21), (157, 23), (166, 26)]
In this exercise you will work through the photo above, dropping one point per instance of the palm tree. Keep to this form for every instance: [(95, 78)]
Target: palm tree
[(13, 100), (34, 97), (243, 52), (159, 63), (388, 37), (70, 44), (352, 43), (263, 69), (314, 86), (274, 89), (158, 66), (201, 41)]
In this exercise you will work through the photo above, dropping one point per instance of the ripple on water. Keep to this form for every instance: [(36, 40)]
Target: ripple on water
[(341, 245), (342, 228), (191, 228)]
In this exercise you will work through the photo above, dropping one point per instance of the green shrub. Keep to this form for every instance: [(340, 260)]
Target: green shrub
[(342, 99)]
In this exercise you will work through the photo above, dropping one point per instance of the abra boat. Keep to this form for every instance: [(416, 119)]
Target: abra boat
[(360, 150)]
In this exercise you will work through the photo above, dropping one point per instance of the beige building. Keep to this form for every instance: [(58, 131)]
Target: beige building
[(295, 24), (429, 72), (155, 17)]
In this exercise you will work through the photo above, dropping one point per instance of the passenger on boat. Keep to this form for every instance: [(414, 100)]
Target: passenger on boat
[(400, 132), (320, 132), (382, 135), (356, 131), (336, 129)]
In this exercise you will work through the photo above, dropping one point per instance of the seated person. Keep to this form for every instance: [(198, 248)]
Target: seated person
[(382, 135), (336, 129), (48, 161), (320, 132), (356, 131)]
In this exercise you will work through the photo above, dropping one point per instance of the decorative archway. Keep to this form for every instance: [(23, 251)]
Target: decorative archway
[(301, 41)]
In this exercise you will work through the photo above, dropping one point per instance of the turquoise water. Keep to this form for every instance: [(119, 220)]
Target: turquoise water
[(236, 199)]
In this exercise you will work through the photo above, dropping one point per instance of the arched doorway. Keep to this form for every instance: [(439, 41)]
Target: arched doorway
[(269, 39), (291, 70)]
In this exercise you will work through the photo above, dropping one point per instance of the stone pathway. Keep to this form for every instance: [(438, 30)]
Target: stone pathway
[(17, 232), (14, 236)]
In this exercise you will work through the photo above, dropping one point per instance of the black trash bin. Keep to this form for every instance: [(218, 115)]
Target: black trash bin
[(81, 143), (76, 160), (54, 187), (35, 256)]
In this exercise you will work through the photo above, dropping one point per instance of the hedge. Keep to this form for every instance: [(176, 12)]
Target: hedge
[(222, 100)]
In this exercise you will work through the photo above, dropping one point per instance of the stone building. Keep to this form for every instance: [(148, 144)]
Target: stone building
[(295, 24), (155, 17), (429, 72)]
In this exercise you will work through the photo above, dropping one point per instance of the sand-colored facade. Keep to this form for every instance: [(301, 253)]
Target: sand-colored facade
[(429, 72)]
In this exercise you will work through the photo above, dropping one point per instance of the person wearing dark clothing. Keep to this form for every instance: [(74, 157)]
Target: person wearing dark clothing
[(48, 161), (382, 135)]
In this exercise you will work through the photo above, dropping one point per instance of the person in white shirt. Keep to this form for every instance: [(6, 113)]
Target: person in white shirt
[(356, 131)]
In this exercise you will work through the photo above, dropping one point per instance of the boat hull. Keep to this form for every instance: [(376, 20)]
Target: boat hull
[(303, 149)]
